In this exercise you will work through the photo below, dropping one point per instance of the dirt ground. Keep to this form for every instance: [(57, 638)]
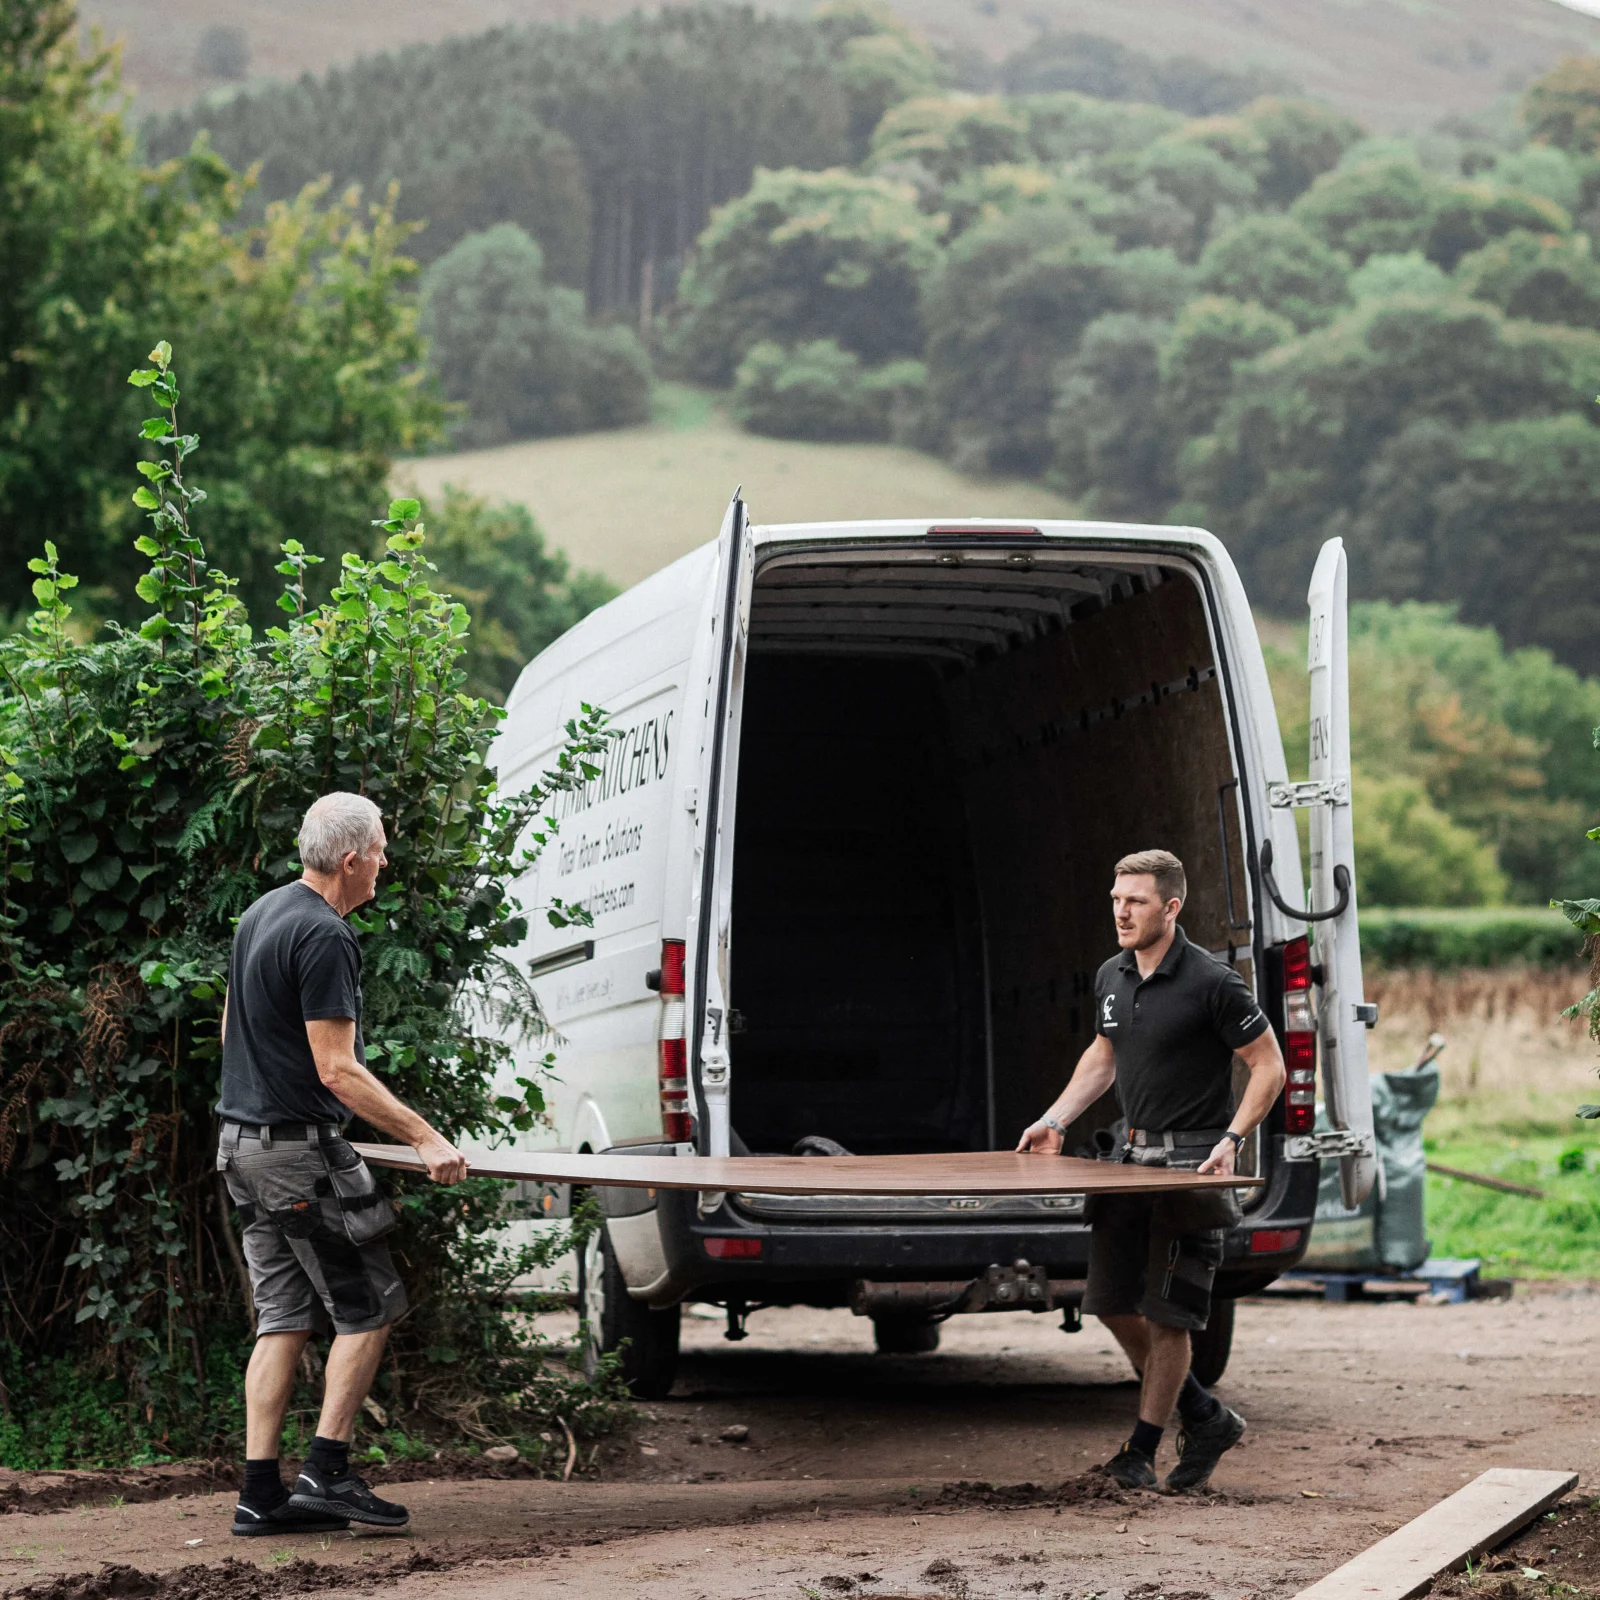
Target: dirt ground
[(966, 1473)]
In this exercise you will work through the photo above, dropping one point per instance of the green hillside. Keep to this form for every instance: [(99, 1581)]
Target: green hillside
[(1392, 63), (628, 501)]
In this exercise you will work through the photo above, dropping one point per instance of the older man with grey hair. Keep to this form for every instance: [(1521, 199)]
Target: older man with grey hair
[(293, 1073)]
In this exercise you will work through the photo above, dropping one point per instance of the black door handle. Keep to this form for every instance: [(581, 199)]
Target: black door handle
[(1341, 882)]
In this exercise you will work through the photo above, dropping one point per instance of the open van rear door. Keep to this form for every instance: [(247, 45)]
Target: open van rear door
[(711, 900), (1343, 1015)]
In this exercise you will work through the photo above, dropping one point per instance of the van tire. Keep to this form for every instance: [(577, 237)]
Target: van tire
[(1210, 1347), (613, 1320), (905, 1335)]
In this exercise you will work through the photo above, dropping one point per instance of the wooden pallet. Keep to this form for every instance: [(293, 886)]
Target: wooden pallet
[(1456, 1280)]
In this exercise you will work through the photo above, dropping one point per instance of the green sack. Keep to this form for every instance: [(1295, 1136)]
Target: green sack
[(1387, 1232)]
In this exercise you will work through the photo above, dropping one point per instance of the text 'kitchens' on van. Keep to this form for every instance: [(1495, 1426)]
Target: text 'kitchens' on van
[(849, 867)]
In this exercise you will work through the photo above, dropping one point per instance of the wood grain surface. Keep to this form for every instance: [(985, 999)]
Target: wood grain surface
[(989, 1172), (1487, 1512)]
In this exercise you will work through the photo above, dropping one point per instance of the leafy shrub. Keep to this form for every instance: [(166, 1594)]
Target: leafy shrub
[(1409, 853), (150, 787), (818, 391), (519, 352)]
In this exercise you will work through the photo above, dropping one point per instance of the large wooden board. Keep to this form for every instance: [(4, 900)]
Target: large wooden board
[(992, 1172), (1487, 1512)]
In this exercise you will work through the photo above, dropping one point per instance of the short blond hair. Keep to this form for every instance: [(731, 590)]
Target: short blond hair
[(1163, 866)]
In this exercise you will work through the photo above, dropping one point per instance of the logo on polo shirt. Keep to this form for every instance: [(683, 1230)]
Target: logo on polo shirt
[(1107, 1020)]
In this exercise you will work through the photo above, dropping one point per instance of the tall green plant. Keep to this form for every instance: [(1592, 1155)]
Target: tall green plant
[(152, 785), (1584, 915)]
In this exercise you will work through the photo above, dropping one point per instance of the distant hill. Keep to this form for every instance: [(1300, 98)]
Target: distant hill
[(1391, 63)]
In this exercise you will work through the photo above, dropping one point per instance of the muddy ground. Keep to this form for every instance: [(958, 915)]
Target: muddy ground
[(963, 1473)]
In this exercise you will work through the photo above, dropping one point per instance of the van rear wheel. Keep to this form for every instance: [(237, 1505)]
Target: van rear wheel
[(905, 1335), (612, 1320), (1209, 1349)]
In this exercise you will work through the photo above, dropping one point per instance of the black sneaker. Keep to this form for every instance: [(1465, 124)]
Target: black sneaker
[(251, 1522), (347, 1497), (1133, 1469), (1201, 1446)]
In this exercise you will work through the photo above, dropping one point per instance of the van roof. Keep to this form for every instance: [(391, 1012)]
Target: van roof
[(638, 609), (1050, 528)]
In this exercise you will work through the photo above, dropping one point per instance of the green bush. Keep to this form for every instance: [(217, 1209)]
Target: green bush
[(519, 353), (1490, 937), (818, 391), (1410, 853), (150, 787)]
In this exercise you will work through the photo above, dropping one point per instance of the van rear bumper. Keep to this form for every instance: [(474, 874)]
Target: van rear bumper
[(816, 1265)]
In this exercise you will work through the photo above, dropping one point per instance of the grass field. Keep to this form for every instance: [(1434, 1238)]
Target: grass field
[(625, 503), (1511, 1077)]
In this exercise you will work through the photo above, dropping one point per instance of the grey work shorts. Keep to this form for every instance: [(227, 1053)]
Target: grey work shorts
[(314, 1225), (1158, 1254)]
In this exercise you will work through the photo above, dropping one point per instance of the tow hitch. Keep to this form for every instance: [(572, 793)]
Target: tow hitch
[(1019, 1287)]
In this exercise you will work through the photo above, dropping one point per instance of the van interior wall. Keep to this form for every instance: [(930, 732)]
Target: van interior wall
[(1078, 749), (923, 857)]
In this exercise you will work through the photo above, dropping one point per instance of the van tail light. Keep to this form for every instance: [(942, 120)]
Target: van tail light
[(673, 1059), (733, 1249), (1275, 1241), (1299, 1039)]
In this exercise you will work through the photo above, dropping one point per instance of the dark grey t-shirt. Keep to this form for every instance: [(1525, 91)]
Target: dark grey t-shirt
[(294, 961)]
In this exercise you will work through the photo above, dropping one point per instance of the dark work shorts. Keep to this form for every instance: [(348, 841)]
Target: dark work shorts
[(313, 1223), (1157, 1254)]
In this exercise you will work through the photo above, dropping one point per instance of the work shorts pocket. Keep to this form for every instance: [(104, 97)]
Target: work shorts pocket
[(279, 1182), (364, 1212)]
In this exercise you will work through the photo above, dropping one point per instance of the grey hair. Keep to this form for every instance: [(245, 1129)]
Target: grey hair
[(334, 826)]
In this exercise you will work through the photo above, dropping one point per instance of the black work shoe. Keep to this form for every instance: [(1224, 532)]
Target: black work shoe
[(1201, 1446), (1133, 1469), (251, 1522), (347, 1497)]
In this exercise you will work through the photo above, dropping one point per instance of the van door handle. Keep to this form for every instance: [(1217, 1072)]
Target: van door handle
[(1341, 882)]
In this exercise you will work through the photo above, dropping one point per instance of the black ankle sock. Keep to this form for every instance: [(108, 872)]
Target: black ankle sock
[(331, 1457), (263, 1486), (1145, 1438), (1196, 1404)]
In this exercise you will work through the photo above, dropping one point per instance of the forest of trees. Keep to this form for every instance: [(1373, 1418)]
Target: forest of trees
[(1146, 282)]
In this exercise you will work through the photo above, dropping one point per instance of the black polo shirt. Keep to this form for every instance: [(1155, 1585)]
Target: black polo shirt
[(1174, 1035)]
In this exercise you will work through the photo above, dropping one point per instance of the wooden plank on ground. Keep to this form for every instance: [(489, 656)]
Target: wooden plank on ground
[(986, 1172), (1485, 1513)]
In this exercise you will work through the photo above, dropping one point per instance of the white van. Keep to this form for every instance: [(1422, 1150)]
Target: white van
[(848, 867)]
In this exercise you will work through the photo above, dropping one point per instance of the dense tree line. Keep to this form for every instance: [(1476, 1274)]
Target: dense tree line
[(1260, 321), (609, 143)]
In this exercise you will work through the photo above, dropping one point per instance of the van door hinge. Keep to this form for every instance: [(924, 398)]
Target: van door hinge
[(1319, 792), (1366, 1013), (1328, 1145)]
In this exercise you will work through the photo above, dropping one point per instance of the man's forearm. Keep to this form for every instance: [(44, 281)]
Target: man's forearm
[(1267, 1077), (355, 1086), (1087, 1084)]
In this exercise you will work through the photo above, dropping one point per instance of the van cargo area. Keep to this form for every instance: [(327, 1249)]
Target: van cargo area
[(941, 756)]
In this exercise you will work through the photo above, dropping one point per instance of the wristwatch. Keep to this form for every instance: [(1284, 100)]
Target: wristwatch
[(1050, 1122), (1238, 1139)]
